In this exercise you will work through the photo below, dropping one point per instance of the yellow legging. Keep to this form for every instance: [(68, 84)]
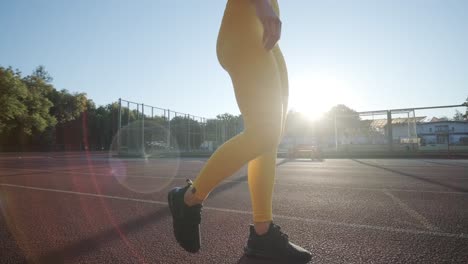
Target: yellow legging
[(260, 83)]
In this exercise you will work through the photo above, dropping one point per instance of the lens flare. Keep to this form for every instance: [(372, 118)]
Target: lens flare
[(144, 157)]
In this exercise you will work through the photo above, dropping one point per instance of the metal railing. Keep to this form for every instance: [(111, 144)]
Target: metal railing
[(145, 129)]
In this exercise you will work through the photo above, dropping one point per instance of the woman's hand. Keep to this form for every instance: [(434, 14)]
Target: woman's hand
[(270, 21)]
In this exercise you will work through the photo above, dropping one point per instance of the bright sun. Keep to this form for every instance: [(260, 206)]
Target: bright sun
[(314, 93)]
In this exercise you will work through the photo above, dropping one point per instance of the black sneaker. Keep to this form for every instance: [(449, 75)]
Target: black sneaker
[(186, 220), (275, 245)]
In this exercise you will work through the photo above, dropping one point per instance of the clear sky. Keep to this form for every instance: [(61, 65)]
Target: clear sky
[(367, 54)]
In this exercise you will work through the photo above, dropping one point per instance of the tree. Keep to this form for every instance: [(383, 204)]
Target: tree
[(41, 73), (25, 107), (13, 93), (67, 107), (458, 116), (39, 117), (156, 131), (344, 115), (230, 125), (465, 116), (226, 117), (187, 132), (297, 124), (102, 124), (344, 118), (345, 123)]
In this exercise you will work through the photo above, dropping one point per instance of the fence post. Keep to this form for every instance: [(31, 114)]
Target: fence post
[(336, 134), (128, 123), (204, 130), (143, 129), (188, 133), (119, 126), (389, 130), (168, 127)]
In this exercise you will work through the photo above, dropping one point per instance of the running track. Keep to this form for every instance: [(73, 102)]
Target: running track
[(77, 208)]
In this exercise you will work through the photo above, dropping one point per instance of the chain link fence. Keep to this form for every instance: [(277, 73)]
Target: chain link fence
[(412, 130), (392, 130), (148, 130)]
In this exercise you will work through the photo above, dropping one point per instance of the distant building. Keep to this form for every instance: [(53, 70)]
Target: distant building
[(403, 129), (411, 132), (434, 131), (443, 132)]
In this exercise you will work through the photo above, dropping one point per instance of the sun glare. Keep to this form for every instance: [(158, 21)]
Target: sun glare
[(314, 93)]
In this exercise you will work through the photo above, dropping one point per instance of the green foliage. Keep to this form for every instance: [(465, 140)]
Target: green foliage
[(38, 117), (297, 124), (465, 116), (226, 117), (34, 113), (102, 124), (32, 109), (13, 93), (224, 127), (41, 73), (187, 132), (458, 116), (348, 122), (340, 119), (345, 116), (25, 108), (67, 107), (128, 115)]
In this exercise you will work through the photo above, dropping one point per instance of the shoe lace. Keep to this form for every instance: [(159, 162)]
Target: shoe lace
[(189, 182), (193, 212)]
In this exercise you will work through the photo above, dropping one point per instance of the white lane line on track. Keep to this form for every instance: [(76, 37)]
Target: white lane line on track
[(308, 220), (237, 181), (420, 218), (82, 193)]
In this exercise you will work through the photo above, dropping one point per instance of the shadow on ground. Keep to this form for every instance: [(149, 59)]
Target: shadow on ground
[(306, 160), (427, 180), (95, 242), (248, 260), (232, 184), (447, 164)]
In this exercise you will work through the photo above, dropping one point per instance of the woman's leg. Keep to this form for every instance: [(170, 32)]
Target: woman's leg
[(261, 178), (257, 87), (281, 64), (262, 170)]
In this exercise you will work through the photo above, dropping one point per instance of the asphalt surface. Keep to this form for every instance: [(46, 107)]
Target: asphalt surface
[(89, 208)]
